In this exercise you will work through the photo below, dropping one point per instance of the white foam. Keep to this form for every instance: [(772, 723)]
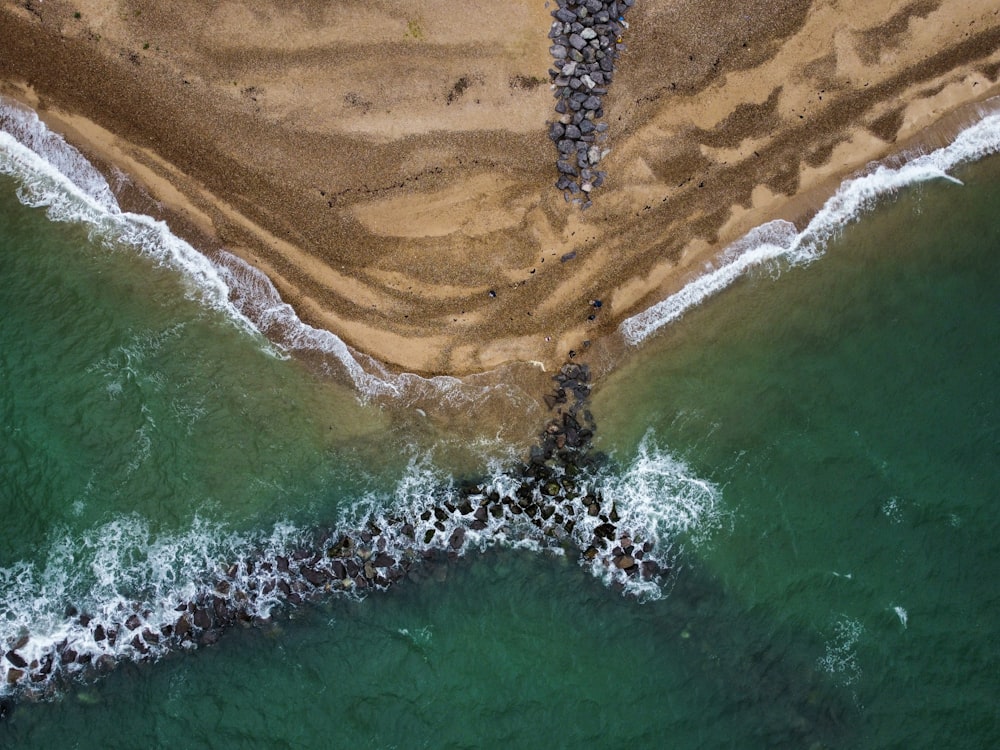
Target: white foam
[(656, 499), (780, 241), (120, 569), (841, 657), (54, 175), (25, 127), (903, 616), (132, 581), (661, 497)]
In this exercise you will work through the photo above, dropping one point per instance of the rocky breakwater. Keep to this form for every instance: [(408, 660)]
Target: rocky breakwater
[(553, 501), (586, 38)]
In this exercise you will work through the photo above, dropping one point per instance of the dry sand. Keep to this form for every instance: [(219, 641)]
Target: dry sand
[(386, 163)]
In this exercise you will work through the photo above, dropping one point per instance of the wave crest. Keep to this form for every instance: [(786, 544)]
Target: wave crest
[(780, 241)]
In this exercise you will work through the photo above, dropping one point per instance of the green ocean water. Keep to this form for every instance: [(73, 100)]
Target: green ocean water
[(840, 592)]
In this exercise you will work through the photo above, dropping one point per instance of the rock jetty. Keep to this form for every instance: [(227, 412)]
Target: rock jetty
[(586, 38), (552, 501)]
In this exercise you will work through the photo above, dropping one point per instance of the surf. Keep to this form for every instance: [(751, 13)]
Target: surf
[(54, 175), (780, 242)]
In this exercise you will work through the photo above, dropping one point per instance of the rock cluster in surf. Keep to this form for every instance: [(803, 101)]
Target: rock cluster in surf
[(586, 39), (552, 501)]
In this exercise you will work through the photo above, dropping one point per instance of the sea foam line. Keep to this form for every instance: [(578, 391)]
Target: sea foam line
[(53, 174), (119, 592), (780, 241)]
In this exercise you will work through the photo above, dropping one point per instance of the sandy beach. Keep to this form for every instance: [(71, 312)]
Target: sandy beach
[(387, 164)]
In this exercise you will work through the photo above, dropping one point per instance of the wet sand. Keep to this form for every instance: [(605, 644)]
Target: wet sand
[(388, 166)]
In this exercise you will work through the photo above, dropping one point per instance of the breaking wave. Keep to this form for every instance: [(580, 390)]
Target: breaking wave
[(121, 592), (54, 175), (780, 241)]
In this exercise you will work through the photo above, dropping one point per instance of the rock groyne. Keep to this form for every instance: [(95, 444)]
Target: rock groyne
[(552, 501), (586, 38)]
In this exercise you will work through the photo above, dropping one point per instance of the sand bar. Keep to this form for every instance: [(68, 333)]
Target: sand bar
[(387, 163)]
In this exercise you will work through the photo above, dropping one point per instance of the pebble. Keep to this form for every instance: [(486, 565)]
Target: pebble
[(584, 34)]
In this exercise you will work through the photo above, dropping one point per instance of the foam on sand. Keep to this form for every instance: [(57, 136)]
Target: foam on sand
[(53, 174), (780, 241)]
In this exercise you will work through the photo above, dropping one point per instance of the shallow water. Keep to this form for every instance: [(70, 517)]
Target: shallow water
[(819, 444)]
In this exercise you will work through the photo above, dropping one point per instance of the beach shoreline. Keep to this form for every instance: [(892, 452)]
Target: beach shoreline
[(482, 263)]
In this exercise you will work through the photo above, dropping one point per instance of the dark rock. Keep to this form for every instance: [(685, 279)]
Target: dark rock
[(605, 531), (223, 611), (317, 577), (13, 675), (105, 663), (202, 619), (565, 167), (133, 622), (625, 561), (16, 659)]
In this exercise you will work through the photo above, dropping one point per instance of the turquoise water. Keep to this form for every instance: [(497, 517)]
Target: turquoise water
[(819, 444)]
